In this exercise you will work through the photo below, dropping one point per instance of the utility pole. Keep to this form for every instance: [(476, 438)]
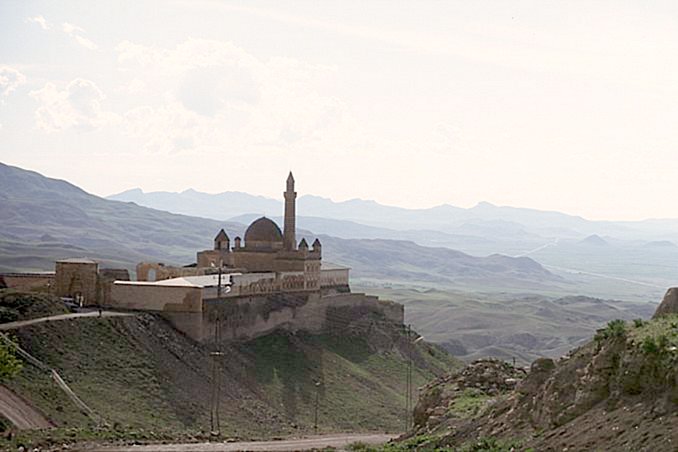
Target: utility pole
[(408, 379), (409, 376), (221, 263), (215, 424), (317, 400)]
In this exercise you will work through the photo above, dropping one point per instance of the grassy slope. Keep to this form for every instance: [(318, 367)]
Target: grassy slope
[(139, 373)]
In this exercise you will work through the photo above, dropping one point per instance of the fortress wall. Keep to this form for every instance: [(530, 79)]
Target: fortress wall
[(152, 271), (28, 281), (359, 303), (253, 261), (334, 277), (245, 318), (270, 283), (73, 278), (156, 298)]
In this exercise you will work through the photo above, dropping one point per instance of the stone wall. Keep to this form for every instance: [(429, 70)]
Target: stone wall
[(245, 318), (77, 279), (154, 271), (28, 281), (154, 297), (107, 277), (209, 258), (334, 277)]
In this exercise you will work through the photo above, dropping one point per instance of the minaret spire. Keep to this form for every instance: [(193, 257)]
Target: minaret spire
[(289, 231)]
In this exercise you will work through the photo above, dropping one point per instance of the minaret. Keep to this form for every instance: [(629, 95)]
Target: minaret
[(289, 231)]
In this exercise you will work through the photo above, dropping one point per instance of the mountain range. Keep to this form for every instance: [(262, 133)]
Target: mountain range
[(474, 305), (43, 219), (633, 260)]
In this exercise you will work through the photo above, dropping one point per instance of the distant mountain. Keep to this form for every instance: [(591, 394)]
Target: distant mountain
[(485, 220), (445, 218), (400, 261), (42, 219), (473, 326), (661, 244), (607, 258), (221, 206), (594, 240)]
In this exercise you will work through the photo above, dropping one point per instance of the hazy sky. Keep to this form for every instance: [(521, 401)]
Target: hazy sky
[(569, 106)]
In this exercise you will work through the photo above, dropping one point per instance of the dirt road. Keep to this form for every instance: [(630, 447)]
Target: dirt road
[(76, 315), (19, 412), (317, 442)]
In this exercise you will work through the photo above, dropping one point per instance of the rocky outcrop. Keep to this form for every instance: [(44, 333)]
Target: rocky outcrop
[(618, 392), (473, 386), (669, 304)]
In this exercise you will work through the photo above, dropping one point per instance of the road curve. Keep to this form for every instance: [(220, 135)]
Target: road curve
[(19, 412), (316, 442), (75, 315)]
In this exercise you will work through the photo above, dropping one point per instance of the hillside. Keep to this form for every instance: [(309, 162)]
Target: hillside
[(617, 392), (633, 261), (392, 261), (148, 381), (507, 326), (43, 219)]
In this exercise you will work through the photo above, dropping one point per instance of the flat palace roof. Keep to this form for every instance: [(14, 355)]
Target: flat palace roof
[(76, 260), (332, 266), (186, 281)]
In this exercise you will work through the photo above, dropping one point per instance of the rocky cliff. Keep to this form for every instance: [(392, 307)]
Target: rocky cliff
[(617, 392)]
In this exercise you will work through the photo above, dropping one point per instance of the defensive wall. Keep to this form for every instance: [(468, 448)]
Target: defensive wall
[(27, 281), (248, 317), (127, 295)]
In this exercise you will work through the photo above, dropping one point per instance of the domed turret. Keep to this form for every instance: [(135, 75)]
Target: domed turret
[(263, 234)]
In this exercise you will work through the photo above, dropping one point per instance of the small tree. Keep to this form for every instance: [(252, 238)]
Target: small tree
[(10, 365)]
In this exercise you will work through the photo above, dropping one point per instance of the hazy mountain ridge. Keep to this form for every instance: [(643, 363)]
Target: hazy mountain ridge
[(372, 213), (633, 260), (43, 219)]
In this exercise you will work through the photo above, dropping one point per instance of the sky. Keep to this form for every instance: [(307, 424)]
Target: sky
[(569, 106)]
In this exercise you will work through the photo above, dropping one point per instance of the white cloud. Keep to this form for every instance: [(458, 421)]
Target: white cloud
[(204, 93), (76, 106), (10, 79), (70, 28), (76, 33), (40, 21)]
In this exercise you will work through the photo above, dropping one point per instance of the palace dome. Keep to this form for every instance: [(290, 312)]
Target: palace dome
[(262, 230)]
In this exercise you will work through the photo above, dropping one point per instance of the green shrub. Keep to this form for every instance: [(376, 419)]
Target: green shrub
[(638, 323), (8, 314), (10, 365), (615, 329), (491, 444), (468, 403), (649, 346)]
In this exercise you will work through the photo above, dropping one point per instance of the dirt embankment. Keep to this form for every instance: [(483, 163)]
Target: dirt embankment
[(19, 412), (618, 392)]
